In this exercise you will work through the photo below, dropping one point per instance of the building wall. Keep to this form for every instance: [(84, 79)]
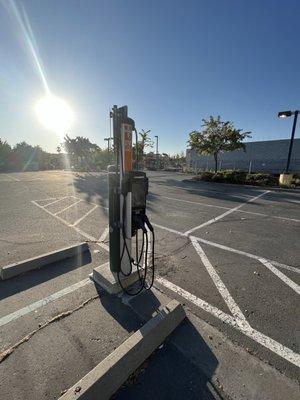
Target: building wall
[(266, 156)]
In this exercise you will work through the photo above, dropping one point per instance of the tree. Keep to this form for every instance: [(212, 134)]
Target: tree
[(217, 137), (80, 149), (23, 155), (140, 147), (145, 142), (5, 151)]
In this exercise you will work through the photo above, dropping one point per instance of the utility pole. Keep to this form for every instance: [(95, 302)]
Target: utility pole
[(108, 142), (156, 152), (291, 142), (286, 114)]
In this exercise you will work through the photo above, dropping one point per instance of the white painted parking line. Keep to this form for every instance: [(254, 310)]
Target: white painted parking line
[(191, 202), (11, 178), (227, 248), (232, 194), (226, 208), (169, 229), (216, 312), (80, 231), (288, 219), (244, 253), (43, 302), (210, 205), (233, 307), (211, 221), (104, 234), (14, 178), (65, 209), (246, 329), (280, 275), (90, 202), (85, 215), (55, 201)]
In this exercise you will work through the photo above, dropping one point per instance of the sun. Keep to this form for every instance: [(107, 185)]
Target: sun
[(55, 114)]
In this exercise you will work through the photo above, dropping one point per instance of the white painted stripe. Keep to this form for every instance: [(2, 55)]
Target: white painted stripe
[(14, 178), (47, 199), (227, 248), (55, 201), (238, 195), (233, 307), (65, 209), (84, 216), (284, 266), (43, 302), (211, 221), (169, 229), (11, 178), (221, 207), (243, 253), (90, 202), (280, 275), (246, 329), (225, 208), (192, 202), (104, 234), (81, 232), (288, 219), (216, 312)]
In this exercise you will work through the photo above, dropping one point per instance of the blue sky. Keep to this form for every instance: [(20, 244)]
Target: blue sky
[(172, 62)]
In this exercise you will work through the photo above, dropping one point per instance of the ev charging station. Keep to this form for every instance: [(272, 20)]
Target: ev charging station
[(127, 190)]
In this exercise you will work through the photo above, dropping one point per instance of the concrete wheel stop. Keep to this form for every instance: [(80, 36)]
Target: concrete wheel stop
[(12, 270), (108, 376)]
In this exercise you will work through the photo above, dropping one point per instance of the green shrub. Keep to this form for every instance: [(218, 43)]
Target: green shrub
[(218, 177), (234, 176), (237, 177), (205, 176), (261, 179)]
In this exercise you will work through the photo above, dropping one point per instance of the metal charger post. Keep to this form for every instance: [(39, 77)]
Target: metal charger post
[(127, 190)]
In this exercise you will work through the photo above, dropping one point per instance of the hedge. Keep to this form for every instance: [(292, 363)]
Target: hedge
[(238, 177)]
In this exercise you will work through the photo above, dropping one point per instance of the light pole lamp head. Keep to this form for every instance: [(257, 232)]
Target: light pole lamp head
[(285, 114)]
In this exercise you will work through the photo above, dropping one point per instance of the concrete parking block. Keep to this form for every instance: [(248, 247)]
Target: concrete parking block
[(106, 378), (11, 270)]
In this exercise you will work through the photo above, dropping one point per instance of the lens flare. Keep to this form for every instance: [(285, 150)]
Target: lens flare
[(54, 113)]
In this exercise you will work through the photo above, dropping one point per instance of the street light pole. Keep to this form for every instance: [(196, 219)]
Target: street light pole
[(285, 114), (108, 143), (156, 152), (292, 141)]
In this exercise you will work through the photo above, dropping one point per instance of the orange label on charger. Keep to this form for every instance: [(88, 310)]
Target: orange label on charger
[(127, 147)]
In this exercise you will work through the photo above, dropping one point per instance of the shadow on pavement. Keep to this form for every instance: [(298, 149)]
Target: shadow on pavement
[(181, 368), (35, 277), (93, 187), (170, 374), (225, 191), (129, 318)]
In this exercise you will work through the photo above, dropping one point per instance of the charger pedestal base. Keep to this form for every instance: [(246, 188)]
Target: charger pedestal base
[(108, 280)]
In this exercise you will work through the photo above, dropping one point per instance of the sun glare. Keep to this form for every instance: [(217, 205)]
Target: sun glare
[(55, 114)]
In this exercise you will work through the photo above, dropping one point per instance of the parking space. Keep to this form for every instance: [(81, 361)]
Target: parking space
[(229, 253)]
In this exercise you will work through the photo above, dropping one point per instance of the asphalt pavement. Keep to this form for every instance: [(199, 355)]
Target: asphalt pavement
[(229, 253)]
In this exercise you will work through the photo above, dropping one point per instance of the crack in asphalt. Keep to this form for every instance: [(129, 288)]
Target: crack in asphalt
[(6, 353)]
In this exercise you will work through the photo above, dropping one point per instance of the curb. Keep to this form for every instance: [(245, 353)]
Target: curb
[(262, 187), (107, 377), (12, 270)]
